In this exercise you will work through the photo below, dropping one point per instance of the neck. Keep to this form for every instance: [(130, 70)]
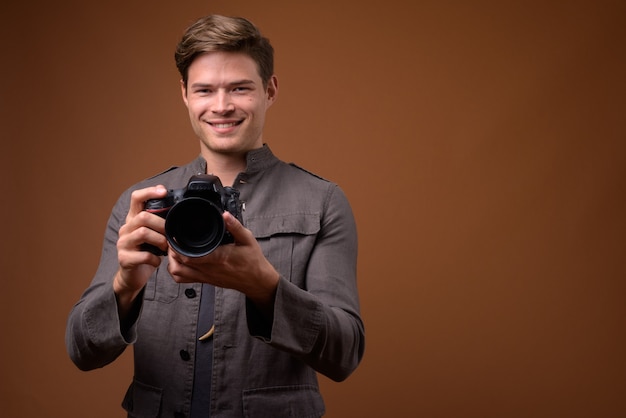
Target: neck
[(225, 166)]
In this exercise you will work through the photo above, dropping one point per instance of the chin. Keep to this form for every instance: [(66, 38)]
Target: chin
[(234, 146)]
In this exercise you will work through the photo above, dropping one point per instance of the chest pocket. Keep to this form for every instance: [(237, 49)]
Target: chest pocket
[(287, 241), (161, 287)]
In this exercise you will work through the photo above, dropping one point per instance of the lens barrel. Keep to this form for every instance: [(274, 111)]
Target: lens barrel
[(194, 227)]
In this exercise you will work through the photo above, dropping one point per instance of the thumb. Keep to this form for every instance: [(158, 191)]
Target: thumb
[(236, 229)]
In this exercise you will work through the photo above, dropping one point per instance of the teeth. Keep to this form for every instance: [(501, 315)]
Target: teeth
[(224, 125)]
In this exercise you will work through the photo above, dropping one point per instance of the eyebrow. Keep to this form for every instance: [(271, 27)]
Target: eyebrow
[(231, 84)]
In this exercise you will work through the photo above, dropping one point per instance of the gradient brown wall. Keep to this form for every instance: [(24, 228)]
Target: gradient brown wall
[(481, 145)]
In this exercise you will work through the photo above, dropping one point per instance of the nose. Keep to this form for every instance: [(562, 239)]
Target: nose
[(222, 103)]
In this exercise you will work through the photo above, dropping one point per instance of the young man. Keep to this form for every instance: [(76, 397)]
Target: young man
[(243, 330)]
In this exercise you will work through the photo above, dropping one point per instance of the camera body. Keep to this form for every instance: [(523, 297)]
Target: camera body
[(194, 226)]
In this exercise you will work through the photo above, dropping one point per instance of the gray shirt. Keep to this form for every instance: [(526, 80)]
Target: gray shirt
[(306, 229)]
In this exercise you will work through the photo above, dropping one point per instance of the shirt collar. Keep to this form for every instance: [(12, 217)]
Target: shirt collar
[(256, 160), (259, 159)]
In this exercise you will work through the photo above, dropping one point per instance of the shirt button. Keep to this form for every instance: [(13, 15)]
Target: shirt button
[(190, 293), (184, 354)]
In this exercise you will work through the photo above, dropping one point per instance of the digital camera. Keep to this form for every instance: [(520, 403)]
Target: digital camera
[(194, 226)]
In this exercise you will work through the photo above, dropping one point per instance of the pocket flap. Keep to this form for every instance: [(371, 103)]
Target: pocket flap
[(302, 401), (142, 400), (295, 223)]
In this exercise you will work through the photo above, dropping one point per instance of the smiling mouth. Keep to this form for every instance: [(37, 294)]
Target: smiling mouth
[(222, 125)]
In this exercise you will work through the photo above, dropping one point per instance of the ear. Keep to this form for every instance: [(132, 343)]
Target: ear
[(272, 90), (183, 90)]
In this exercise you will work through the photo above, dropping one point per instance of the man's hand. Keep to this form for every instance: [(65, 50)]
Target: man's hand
[(240, 266), (136, 265)]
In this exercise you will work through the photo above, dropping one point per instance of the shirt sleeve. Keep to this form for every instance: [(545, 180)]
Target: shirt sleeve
[(321, 323), (94, 335)]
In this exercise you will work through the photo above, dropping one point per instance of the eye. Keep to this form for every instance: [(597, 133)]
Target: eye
[(241, 89), (202, 90)]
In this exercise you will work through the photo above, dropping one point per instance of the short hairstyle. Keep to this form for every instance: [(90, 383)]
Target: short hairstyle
[(215, 33)]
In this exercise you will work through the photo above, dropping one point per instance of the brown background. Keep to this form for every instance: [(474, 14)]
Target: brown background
[(482, 145)]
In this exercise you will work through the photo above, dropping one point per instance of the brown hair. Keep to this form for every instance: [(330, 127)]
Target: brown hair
[(226, 34)]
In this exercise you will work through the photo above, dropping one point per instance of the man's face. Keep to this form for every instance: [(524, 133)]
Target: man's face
[(227, 102)]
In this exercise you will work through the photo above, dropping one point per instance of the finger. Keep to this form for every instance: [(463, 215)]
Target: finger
[(139, 197), (135, 235), (180, 271), (136, 259), (130, 257), (237, 230)]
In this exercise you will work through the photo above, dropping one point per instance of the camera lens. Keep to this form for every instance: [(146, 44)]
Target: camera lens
[(194, 227)]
